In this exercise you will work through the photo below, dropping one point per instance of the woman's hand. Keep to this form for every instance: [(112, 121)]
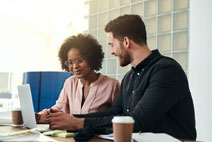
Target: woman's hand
[(64, 121)]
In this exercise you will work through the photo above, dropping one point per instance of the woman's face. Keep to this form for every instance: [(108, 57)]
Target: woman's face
[(77, 65)]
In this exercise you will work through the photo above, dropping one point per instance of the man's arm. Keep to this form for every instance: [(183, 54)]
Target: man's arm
[(64, 121), (164, 91), (61, 120)]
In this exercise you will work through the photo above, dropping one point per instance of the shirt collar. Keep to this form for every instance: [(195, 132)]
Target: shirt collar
[(93, 84), (149, 59)]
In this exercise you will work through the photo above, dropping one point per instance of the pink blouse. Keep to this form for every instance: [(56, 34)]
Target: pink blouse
[(102, 94)]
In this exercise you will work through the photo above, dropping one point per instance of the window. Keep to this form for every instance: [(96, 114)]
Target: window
[(166, 22)]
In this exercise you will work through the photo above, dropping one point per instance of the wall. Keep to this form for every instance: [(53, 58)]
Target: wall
[(200, 65), (4, 80), (166, 22)]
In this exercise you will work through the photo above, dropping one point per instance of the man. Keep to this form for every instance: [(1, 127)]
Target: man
[(154, 92)]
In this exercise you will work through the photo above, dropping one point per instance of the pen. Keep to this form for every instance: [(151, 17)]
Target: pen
[(139, 132)]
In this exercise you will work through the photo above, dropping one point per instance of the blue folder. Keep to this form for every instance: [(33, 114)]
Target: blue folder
[(45, 87)]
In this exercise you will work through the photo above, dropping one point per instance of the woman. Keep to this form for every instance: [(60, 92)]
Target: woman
[(86, 91)]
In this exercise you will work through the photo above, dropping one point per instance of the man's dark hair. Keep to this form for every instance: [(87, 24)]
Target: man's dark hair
[(88, 47), (131, 26)]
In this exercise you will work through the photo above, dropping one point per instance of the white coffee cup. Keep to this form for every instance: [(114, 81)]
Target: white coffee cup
[(122, 128)]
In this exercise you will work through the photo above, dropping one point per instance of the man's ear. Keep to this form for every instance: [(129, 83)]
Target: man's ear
[(126, 42)]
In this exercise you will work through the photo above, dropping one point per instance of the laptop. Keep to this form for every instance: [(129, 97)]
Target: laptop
[(27, 109)]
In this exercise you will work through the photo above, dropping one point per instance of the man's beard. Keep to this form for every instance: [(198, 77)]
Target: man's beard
[(124, 60)]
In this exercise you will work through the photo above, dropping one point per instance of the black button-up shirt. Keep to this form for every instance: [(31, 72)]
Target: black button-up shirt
[(156, 94)]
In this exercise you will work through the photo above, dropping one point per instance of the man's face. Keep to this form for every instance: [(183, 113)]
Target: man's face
[(118, 49)]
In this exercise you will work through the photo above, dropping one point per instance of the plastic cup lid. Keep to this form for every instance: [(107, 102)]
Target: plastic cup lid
[(122, 119), (16, 108)]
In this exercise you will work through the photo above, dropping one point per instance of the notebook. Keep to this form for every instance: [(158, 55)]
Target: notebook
[(27, 108), (145, 137)]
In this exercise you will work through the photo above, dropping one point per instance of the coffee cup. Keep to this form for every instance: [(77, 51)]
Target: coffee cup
[(122, 128), (17, 119)]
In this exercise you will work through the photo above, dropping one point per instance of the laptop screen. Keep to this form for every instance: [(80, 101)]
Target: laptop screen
[(26, 104)]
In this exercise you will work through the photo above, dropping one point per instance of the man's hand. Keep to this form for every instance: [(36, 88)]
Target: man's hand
[(64, 121), (40, 118), (37, 117)]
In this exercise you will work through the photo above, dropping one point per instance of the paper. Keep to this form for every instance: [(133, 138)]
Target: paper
[(146, 137), (43, 127), (107, 137), (153, 137)]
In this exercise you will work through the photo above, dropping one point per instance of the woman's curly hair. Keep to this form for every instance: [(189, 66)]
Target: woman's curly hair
[(88, 47)]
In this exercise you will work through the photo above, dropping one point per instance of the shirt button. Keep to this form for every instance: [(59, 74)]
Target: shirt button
[(142, 69), (128, 110), (133, 92), (138, 73)]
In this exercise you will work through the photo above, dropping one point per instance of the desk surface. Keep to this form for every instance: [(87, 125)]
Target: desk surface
[(7, 129)]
